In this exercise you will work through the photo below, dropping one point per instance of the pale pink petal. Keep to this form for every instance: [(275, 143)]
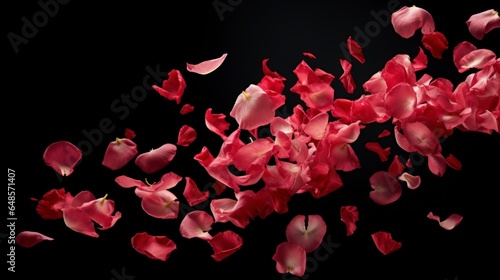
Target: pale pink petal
[(161, 205), (154, 247), (481, 23), (77, 220), (407, 20), (477, 59), (412, 181), (316, 127), (450, 223), (349, 215), (186, 136), (401, 101), (62, 156), (355, 50), (290, 258), (225, 244), (119, 153), (253, 108), (196, 224), (156, 159), (193, 194), (186, 109), (436, 43), (28, 239), (306, 231), (173, 87), (216, 123), (460, 50), (386, 188), (207, 66), (384, 242)]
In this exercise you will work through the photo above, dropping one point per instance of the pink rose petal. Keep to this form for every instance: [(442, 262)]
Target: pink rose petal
[(207, 66)]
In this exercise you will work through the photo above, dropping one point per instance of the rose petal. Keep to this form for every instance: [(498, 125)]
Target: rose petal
[(407, 20), (62, 156), (384, 242), (290, 258), (349, 215), (386, 188), (483, 22), (207, 66), (119, 153), (154, 247), (28, 239), (306, 233), (449, 223), (156, 159), (225, 244), (186, 136), (196, 224)]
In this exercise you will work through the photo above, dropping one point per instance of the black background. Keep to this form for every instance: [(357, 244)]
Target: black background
[(63, 81)]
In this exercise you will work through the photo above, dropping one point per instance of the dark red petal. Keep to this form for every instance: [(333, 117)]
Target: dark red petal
[(186, 136), (129, 133), (384, 242), (355, 50), (349, 215)]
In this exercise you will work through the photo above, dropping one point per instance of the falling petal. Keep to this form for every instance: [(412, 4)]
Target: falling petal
[(186, 109), (481, 23), (412, 181), (207, 66), (186, 136), (355, 50), (119, 153), (349, 215), (173, 87), (154, 247), (308, 235), (156, 159), (129, 133), (386, 188), (196, 224), (436, 43), (224, 244), (407, 20), (193, 194), (384, 242), (62, 156), (28, 239), (450, 223), (290, 258)]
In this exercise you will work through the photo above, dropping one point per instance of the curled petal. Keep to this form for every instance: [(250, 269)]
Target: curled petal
[(101, 211), (346, 78), (407, 20), (119, 153), (453, 162), (161, 205), (412, 181), (481, 23), (62, 156), (51, 205), (154, 247), (449, 223), (156, 159), (207, 66), (173, 87), (216, 123), (196, 224), (384, 242), (193, 194), (436, 43), (290, 258), (349, 215), (386, 188), (29, 239), (225, 244)]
